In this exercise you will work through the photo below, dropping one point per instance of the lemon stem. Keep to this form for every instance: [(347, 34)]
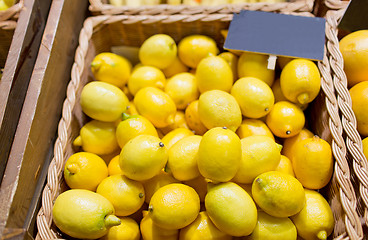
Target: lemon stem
[(125, 116), (78, 141), (322, 235), (303, 98), (279, 146), (72, 168), (112, 220)]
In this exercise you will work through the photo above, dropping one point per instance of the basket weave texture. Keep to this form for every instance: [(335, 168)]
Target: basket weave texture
[(100, 33)]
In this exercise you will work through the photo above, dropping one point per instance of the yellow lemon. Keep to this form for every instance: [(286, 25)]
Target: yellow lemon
[(182, 88), (193, 120), (97, 137), (232, 60), (214, 72), (85, 170), (254, 96), (146, 76), (159, 50), (217, 108), (192, 49), (278, 194), (251, 127), (202, 229), (282, 61), (143, 157), (285, 166), (83, 214), (315, 220), (289, 143), (255, 65), (231, 209), (156, 106), (113, 167), (131, 109), (9, 3), (174, 68), (111, 68), (175, 135), (179, 122), (219, 154), (273, 228), (359, 98), (354, 47), (127, 230), (279, 96), (300, 81), (259, 154), (199, 184), (133, 126), (365, 147), (174, 206), (103, 101), (151, 231), (285, 119), (312, 162), (183, 156)]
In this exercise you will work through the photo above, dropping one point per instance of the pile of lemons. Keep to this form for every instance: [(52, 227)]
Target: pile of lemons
[(192, 143)]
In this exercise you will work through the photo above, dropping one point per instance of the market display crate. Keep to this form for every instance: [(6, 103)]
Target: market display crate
[(101, 33)]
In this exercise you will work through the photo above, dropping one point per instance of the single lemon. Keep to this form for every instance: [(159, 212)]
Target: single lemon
[(285, 166), (174, 68), (315, 220), (179, 122), (255, 65), (282, 61), (254, 96), (133, 126), (159, 50), (193, 120), (97, 137), (202, 229), (285, 119), (174, 206), (251, 127), (111, 68), (127, 230), (175, 135), (182, 88), (279, 96), (300, 81), (278, 194), (151, 231), (365, 147), (3, 7), (192, 49), (359, 99), (217, 108), (259, 154), (289, 143), (354, 48), (85, 171), (156, 106), (143, 157), (312, 162), (199, 184), (113, 167), (213, 72), (219, 154), (273, 228), (231, 209), (183, 156), (103, 101), (83, 214), (232, 60), (146, 76)]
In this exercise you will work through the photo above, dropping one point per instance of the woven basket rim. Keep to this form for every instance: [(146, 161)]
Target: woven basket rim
[(9, 17)]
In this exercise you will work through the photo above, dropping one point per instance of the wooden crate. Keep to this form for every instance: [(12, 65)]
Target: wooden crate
[(31, 150)]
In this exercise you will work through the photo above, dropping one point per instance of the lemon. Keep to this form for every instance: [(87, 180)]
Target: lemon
[(127, 93), (365, 147), (179, 122), (193, 120), (133, 126), (232, 60), (183, 156), (231, 209), (217, 108), (289, 143), (255, 65), (103, 101), (127, 230), (285, 166), (9, 3), (199, 184), (159, 50), (279, 96), (3, 7), (97, 137), (213, 72), (113, 167), (175, 135), (315, 220), (192, 49), (259, 154), (151, 231), (156, 106), (312, 162), (219, 154), (143, 157), (131, 109), (359, 98), (278, 194), (285, 119), (84, 170), (111, 68), (282, 61), (273, 228), (202, 229), (174, 68), (254, 96), (146, 76), (174, 206), (182, 88), (251, 127), (354, 48), (83, 214)]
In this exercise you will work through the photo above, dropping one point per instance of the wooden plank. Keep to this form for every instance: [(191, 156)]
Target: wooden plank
[(32, 148)]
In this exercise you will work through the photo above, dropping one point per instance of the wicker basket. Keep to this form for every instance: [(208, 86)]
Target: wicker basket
[(102, 32)]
